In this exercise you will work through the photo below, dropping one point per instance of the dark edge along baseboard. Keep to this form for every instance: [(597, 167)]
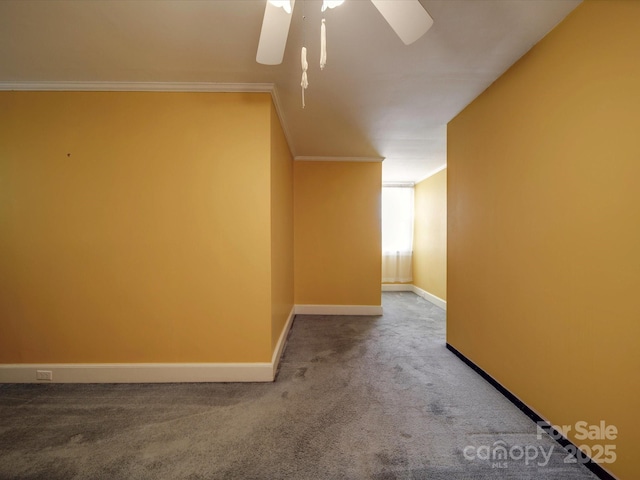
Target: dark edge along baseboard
[(541, 422)]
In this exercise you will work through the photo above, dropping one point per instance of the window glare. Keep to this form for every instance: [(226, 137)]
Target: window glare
[(397, 219)]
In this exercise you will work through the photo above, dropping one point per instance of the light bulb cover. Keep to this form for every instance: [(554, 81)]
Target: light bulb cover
[(331, 4), (284, 4)]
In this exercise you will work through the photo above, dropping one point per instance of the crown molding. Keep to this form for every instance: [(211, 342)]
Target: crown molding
[(138, 87), (398, 184), (432, 173), (337, 159), (285, 127), (209, 87)]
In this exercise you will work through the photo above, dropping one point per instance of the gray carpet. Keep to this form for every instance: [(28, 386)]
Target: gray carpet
[(355, 398)]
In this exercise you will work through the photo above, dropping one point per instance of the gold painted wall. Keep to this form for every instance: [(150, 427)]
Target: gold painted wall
[(337, 239), (430, 235), (281, 229), (544, 226), (135, 226)]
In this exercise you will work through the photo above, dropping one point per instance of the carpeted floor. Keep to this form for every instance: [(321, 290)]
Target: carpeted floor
[(355, 398)]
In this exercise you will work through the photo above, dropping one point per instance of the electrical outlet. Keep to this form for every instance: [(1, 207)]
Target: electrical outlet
[(44, 375)]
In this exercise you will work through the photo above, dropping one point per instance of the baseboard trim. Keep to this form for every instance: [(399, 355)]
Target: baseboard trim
[(138, 372), (542, 423), (365, 310), (175, 372), (437, 301), (151, 372), (397, 287), (407, 287), (282, 341)]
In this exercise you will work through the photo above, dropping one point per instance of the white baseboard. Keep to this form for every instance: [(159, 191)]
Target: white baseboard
[(368, 310), (406, 287), (138, 372), (437, 301), (277, 352), (397, 287), (150, 372), (175, 372)]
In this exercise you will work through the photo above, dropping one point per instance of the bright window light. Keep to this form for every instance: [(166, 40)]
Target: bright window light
[(397, 219)]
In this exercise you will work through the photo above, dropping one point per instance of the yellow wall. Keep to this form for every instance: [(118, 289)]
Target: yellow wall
[(134, 227), (544, 226), (337, 233), (281, 229), (430, 235)]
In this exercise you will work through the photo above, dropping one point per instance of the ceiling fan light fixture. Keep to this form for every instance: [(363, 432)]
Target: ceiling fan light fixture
[(284, 4), (331, 4)]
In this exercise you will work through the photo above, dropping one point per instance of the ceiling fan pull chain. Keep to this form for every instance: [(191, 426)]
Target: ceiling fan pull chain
[(323, 45), (304, 83)]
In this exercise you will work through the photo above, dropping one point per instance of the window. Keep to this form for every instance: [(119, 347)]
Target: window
[(397, 233)]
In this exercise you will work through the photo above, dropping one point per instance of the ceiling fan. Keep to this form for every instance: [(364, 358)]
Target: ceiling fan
[(406, 17)]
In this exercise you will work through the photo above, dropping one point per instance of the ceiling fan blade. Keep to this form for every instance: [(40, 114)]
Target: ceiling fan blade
[(407, 18), (274, 33)]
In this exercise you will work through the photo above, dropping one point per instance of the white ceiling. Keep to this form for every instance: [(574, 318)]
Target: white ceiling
[(376, 97)]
